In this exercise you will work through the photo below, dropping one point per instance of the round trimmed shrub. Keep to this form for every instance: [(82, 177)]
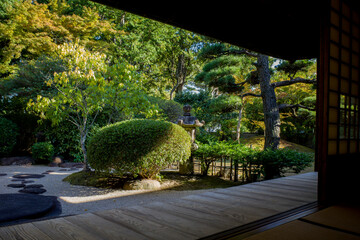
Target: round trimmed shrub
[(42, 152), (138, 147), (9, 132)]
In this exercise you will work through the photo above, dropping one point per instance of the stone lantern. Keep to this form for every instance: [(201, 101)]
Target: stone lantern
[(189, 123)]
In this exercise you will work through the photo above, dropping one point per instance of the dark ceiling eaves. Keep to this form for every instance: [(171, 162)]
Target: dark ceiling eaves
[(283, 29)]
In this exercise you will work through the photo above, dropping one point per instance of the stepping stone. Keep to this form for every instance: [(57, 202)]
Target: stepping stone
[(49, 171), (2, 174), (16, 185), (27, 181), (45, 173), (33, 190), (20, 206), (28, 175), (34, 186), (17, 180)]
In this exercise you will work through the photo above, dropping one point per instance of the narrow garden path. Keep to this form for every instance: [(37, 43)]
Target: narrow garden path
[(188, 217)]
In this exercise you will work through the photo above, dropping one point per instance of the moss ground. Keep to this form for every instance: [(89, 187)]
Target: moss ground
[(169, 181)]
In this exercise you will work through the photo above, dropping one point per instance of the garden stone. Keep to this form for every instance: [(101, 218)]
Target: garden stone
[(16, 185), (27, 181), (32, 190), (71, 165), (21, 206), (28, 175), (16, 161), (57, 160), (34, 186), (144, 184)]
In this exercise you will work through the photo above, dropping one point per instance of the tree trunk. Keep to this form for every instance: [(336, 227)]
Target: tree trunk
[(180, 76), (238, 129), (83, 149), (270, 107)]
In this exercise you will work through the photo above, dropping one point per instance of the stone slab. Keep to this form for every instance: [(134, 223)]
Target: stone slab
[(32, 190), (20, 206), (29, 175)]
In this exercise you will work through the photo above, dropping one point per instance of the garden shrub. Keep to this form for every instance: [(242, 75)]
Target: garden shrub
[(9, 132), (271, 163), (276, 162), (169, 109), (42, 152), (138, 147)]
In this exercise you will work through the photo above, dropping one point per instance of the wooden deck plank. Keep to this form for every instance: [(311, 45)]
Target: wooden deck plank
[(294, 182), (149, 228), (232, 206), (286, 187), (59, 229), (23, 231), (279, 206), (300, 194), (239, 217), (261, 196), (207, 218), (289, 186), (266, 191), (98, 226), (172, 220), (309, 175)]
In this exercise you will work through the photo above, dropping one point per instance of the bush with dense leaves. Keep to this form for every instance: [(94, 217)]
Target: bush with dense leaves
[(270, 163), (276, 162), (138, 147), (42, 152), (9, 131)]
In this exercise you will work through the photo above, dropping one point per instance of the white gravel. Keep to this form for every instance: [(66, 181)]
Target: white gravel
[(80, 199)]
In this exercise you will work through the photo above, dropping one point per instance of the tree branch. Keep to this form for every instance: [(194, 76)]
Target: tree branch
[(239, 52), (283, 106), (250, 95), (293, 81)]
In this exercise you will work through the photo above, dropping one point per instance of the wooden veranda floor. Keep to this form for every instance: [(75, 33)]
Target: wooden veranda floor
[(190, 217)]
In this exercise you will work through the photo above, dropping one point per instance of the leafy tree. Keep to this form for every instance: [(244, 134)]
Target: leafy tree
[(261, 75), (226, 74), (165, 54), (32, 29), (86, 88)]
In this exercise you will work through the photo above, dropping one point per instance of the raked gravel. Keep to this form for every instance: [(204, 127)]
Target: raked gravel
[(81, 199)]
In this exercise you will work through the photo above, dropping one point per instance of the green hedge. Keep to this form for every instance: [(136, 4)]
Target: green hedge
[(270, 163), (8, 134), (138, 147), (42, 152)]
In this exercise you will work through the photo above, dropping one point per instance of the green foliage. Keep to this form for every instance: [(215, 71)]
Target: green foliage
[(275, 162), (9, 132), (270, 163), (138, 147), (292, 68), (64, 137), (42, 152), (169, 109), (32, 29)]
